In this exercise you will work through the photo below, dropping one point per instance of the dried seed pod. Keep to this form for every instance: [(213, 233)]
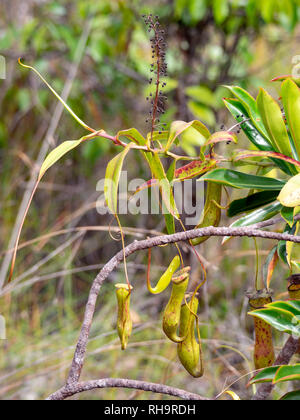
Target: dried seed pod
[(190, 351), (211, 214), (294, 287), (264, 354), (166, 278), (124, 322), (171, 316)]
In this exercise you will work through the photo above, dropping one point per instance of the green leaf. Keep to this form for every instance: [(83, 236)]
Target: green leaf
[(291, 102), (83, 124), (279, 319), (282, 245), (251, 107), (191, 170), (194, 169), (265, 375), (257, 216), (273, 121), (296, 80), (251, 202), (164, 185), (290, 306), (171, 171), (112, 179), (291, 396), (178, 127), (236, 179), (239, 112), (290, 193), (221, 136), (287, 373), (133, 135), (246, 154), (57, 153), (287, 214)]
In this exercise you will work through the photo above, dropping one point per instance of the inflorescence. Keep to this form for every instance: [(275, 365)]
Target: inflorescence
[(158, 72)]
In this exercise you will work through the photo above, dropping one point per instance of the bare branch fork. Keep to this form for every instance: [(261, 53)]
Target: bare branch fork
[(73, 386)]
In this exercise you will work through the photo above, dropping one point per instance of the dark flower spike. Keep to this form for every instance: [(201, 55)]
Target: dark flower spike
[(159, 69)]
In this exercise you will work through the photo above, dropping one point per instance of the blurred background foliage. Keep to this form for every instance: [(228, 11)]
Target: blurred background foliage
[(211, 43)]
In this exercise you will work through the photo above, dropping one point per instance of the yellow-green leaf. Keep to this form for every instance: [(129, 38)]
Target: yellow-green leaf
[(273, 121), (58, 153), (291, 102), (112, 178), (178, 127), (221, 136), (290, 193), (133, 135)]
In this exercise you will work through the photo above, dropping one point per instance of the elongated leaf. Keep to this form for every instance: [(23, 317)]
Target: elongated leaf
[(221, 136), (133, 135), (250, 105), (286, 77), (256, 216), (291, 102), (191, 170), (287, 214), (240, 114), (290, 193), (287, 373), (273, 121), (112, 179), (56, 154), (295, 304), (292, 249), (281, 247), (287, 306), (291, 396), (169, 206), (246, 154), (240, 180), (166, 190), (178, 127), (194, 169), (279, 319), (66, 106), (251, 202), (269, 267), (171, 171), (265, 375)]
